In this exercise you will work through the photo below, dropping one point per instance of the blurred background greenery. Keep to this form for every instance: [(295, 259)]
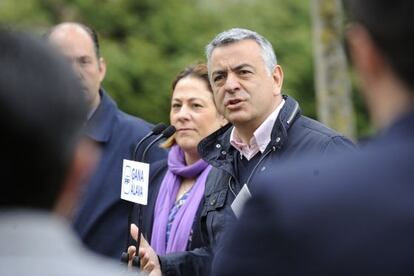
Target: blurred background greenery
[(147, 42)]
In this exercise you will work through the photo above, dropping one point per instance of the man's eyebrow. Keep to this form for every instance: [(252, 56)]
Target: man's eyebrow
[(241, 66), (236, 68), (84, 57), (218, 72)]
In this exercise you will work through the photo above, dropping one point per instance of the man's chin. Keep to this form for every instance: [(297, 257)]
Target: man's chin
[(237, 118), (86, 94)]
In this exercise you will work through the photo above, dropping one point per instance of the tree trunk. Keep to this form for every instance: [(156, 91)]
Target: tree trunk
[(333, 85)]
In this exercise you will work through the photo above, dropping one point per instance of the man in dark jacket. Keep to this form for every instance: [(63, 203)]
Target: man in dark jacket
[(266, 129), (351, 214), (101, 219)]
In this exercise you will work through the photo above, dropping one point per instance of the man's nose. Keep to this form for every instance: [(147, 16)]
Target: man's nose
[(232, 83), (77, 69)]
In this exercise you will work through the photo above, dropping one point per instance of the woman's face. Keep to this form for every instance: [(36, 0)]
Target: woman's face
[(193, 113)]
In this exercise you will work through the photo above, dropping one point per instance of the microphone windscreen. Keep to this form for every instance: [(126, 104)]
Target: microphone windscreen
[(157, 129), (168, 132)]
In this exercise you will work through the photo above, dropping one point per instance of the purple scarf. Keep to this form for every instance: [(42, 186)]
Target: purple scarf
[(184, 219)]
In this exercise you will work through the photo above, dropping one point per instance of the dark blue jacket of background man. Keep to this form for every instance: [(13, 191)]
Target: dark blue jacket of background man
[(101, 219), (293, 136), (345, 215)]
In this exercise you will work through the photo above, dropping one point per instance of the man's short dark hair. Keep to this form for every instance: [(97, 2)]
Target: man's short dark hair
[(42, 110), (391, 25)]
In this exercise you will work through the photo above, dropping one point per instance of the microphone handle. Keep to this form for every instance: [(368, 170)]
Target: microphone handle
[(130, 204), (134, 153), (136, 259), (159, 137)]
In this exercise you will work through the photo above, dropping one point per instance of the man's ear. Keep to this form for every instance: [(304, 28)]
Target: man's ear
[(102, 68), (277, 76), (83, 163), (366, 57)]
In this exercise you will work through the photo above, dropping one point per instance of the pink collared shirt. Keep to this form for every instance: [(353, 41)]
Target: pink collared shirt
[(260, 139)]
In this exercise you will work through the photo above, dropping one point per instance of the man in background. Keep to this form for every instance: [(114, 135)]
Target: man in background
[(44, 160), (352, 214), (101, 219)]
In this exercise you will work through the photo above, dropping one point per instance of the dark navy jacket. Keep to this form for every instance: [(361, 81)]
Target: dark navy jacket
[(344, 215), (101, 219), (292, 136)]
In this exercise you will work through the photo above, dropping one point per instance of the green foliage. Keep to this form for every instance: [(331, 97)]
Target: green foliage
[(147, 42)]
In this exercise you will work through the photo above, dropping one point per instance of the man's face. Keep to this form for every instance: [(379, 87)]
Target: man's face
[(76, 44), (244, 90)]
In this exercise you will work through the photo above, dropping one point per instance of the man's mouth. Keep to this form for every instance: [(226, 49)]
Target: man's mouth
[(233, 103)]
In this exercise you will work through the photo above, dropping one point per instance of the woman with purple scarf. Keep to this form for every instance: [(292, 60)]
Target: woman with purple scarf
[(176, 188)]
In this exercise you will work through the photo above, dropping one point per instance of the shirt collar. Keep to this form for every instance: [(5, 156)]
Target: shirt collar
[(91, 112), (261, 136)]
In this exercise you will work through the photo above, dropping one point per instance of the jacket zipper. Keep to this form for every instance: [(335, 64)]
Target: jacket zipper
[(253, 171)]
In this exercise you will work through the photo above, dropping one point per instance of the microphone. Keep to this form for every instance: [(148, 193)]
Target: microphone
[(155, 131), (165, 134)]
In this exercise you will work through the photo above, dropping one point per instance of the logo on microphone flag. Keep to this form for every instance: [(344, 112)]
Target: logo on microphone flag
[(134, 184)]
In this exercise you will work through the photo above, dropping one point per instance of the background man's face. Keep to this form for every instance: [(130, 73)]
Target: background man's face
[(244, 91), (76, 44)]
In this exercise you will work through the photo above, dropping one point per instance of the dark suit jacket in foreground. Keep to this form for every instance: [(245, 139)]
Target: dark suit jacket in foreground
[(348, 215)]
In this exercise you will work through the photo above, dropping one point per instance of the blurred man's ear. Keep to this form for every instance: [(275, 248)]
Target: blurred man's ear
[(385, 95), (83, 163), (366, 57)]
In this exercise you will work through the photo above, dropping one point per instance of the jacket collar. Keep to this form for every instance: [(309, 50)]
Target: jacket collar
[(99, 126), (287, 116), (217, 150)]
